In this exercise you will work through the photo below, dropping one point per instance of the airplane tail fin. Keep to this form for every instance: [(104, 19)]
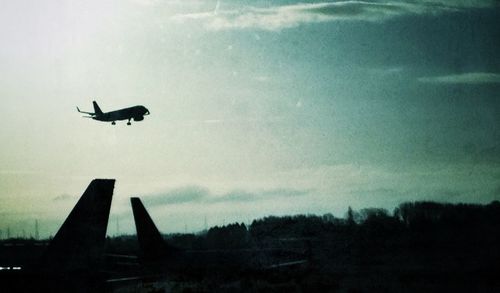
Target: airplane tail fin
[(79, 243), (97, 110), (151, 243)]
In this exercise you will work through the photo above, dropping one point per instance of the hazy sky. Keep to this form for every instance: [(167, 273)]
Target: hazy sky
[(257, 107)]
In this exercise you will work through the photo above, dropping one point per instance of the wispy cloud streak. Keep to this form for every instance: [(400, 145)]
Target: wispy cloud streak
[(179, 196), (463, 78), (196, 194), (64, 197), (287, 16)]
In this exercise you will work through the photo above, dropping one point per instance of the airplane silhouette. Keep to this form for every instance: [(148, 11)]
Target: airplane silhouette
[(136, 112), (73, 260), (157, 261), (155, 253)]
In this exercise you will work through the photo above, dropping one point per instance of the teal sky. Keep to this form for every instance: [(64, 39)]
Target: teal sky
[(257, 107)]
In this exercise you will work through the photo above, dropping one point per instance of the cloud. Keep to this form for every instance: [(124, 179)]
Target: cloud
[(463, 3), (489, 153), (244, 196), (447, 194), (213, 121), (178, 196), (385, 71), (197, 194), (287, 16), (463, 78), (167, 2), (145, 2), (63, 197), (496, 192), (437, 193), (262, 78), (378, 192), (18, 172)]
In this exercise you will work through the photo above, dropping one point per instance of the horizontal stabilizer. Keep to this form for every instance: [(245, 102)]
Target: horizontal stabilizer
[(80, 111)]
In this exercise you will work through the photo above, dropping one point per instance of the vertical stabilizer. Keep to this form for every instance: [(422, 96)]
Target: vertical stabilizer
[(97, 110), (150, 240), (79, 243)]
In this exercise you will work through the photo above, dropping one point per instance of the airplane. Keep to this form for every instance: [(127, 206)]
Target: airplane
[(73, 260), (158, 257), (161, 265), (136, 112)]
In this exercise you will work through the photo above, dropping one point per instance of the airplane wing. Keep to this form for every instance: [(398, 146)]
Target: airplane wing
[(287, 264)]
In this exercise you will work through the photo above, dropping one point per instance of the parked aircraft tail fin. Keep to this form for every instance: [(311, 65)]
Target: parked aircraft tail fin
[(151, 243), (97, 110), (79, 243)]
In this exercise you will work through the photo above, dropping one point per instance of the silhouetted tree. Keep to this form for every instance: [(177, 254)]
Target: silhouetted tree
[(350, 217), (227, 237)]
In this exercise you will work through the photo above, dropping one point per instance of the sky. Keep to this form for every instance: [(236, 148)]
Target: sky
[(257, 107)]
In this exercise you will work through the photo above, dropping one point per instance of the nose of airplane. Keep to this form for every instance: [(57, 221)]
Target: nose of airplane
[(147, 112)]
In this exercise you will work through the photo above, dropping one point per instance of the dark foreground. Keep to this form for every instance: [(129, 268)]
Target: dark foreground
[(421, 247)]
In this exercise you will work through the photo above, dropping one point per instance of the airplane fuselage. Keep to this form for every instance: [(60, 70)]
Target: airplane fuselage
[(137, 113)]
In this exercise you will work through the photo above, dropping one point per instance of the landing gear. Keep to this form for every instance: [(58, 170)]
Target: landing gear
[(113, 123), (128, 123)]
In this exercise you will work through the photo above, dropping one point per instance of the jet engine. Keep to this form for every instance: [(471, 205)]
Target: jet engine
[(138, 118)]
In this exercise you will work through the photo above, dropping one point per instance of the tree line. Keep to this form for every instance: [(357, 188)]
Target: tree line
[(421, 222)]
